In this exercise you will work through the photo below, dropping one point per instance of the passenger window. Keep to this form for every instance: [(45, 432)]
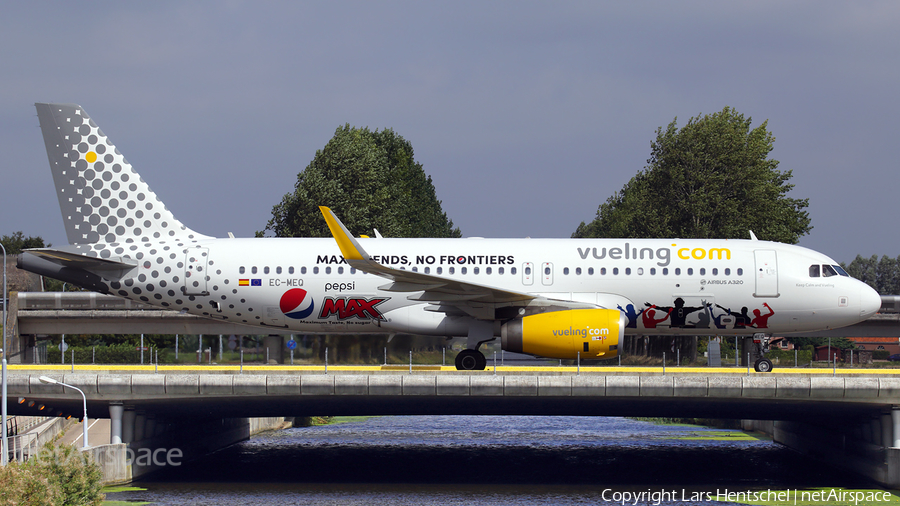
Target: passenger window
[(487, 270), (616, 271), (640, 271), (690, 271), (474, 270), (628, 271), (415, 269), (678, 271), (813, 271), (727, 272), (340, 270), (512, 270), (353, 270), (462, 270), (527, 271), (828, 271), (715, 272), (427, 270), (565, 271), (242, 269), (266, 269), (328, 270), (578, 271), (278, 270), (316, 269), (499, 270), (665, 271), (703, 271), (740, 272), (546, 271), (590, 271), (302, 270), (452, 270), (440, 270), (653, 271), (603, 271), (253, 270)]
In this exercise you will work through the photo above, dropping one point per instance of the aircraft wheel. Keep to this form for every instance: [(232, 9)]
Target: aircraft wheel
[(470, 360), (763, 365)]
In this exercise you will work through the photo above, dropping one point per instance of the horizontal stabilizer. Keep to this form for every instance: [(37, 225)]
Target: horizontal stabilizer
[(79, 261)]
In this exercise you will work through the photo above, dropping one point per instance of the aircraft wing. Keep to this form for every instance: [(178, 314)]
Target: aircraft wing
[(450, 295)]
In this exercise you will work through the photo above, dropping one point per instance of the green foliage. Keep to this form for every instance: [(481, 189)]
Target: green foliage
[(882, 275), (71, 472), (880, 354), (113, 354), (16, 242), (710, 179), (370, 180), (786, 357), (808, 343), (57, 476)]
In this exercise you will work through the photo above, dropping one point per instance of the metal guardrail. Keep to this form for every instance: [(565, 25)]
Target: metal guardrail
[(76, 301), (23, 446)]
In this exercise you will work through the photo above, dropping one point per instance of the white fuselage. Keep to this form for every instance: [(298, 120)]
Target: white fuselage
[(721, 287)]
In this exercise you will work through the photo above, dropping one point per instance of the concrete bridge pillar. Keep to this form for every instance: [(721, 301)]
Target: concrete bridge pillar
[(895, 418), (150, 427), (887, 432), (128, 424), (139, 422), (116, 409)]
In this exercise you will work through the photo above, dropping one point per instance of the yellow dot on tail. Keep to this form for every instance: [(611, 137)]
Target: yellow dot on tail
[(91, 157)]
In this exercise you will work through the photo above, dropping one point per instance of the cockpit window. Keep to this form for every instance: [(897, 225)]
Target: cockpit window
[(828, 271), (813, 271), (841, 270)]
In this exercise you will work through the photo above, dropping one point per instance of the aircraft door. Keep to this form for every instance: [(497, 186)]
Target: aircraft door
[(547, 273), (528, 273), (766, 273), (195, 271)]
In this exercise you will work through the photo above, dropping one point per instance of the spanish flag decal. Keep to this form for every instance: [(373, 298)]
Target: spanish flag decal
[(243, 282)]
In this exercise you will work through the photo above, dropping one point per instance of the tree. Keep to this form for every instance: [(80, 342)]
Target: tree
[(16, 242), (882, 275), (710, 179), (371, 180)]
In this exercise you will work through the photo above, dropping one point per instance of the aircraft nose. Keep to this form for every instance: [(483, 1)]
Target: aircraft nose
[(869, 301)]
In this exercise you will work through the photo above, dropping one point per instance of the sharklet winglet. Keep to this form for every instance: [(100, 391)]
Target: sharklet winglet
[(349, 246)]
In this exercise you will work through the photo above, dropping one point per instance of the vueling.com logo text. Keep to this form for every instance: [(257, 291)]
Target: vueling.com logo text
[(587, 332)]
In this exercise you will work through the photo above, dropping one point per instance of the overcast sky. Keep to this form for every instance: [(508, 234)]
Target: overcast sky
[(527, 115)]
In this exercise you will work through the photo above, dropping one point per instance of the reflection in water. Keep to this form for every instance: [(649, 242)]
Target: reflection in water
[(485, 459)]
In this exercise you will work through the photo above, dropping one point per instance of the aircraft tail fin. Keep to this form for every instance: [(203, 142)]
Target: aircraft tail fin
[(102, 198)]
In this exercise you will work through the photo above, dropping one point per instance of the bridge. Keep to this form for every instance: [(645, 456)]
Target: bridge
[(199, 412)]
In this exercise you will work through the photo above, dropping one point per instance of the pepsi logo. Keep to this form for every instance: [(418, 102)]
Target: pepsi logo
[(295, 304)]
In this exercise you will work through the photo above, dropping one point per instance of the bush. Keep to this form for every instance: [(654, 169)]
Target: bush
[(56, 476), (880, 354), (786, 357), (112, 354)]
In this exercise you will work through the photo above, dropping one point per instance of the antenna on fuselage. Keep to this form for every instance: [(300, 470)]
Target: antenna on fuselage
[(753, 236)]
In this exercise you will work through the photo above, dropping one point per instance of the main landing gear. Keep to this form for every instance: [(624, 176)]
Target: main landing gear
[(470, 360)]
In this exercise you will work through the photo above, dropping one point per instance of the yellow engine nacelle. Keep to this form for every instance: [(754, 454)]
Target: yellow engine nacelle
[(594, 333)]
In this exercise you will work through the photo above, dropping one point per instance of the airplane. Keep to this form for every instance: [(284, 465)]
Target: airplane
[(558, 298)]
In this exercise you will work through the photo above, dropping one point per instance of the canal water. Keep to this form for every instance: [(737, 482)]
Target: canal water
[(529, 460)]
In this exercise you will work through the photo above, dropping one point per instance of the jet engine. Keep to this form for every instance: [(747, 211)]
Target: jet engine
[(594, 333)]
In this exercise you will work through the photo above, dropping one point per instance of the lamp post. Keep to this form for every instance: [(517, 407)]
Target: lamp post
[(3, 396), (84, 424)]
